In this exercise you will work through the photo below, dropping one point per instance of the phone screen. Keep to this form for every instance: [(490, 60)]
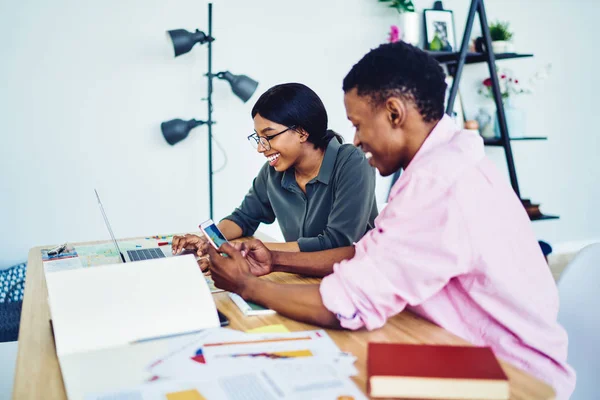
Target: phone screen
[(214, 234)]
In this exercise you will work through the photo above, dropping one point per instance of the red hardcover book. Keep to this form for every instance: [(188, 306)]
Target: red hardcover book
[(434, 372)]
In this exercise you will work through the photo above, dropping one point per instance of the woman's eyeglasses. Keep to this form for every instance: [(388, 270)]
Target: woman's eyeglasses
[(264, 141)]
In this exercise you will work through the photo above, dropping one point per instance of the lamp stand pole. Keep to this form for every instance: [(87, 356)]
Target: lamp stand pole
[(210, 121)]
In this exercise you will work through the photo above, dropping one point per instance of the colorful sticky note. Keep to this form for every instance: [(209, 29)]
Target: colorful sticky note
[(192, 394), (269, 329)]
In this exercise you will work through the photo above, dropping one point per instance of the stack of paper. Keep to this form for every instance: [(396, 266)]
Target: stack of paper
[(226, 364), (218, 351)]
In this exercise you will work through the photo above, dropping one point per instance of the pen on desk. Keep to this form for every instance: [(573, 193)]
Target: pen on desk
[(163, 243), (165, 336)]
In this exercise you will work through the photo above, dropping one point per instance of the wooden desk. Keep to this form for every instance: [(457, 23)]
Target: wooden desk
[(38, 374)]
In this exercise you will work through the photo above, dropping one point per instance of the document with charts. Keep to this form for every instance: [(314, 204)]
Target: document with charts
[(294, 381), (224, 351)]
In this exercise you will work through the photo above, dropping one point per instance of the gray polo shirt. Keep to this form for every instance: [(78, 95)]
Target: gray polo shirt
[(338, 207)]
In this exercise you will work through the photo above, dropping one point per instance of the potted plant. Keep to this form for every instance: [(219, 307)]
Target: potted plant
[(501, 36), (410, 22)]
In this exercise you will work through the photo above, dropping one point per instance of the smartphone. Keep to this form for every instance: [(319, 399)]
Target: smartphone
[(212, 233), (222, 319)]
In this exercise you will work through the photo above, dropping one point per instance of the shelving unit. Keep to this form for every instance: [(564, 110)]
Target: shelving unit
[(544, 217), (449, 57), (456, 62), (499, 142)]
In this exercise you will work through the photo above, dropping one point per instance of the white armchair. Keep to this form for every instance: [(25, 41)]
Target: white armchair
[(580, 315)]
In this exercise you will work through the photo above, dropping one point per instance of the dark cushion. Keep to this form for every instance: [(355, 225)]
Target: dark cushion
[(12, 286), (10, 316)]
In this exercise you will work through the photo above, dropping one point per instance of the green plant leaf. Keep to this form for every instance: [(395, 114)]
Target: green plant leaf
[(400, 5), (500, 31)]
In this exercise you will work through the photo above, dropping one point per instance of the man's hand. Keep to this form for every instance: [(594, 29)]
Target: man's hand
[(230, 273), (233, 273), (258, 256), (187, 242), (256, 253)]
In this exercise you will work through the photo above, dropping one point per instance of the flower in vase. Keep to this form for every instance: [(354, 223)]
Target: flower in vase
[(394, 34), (509, 86)]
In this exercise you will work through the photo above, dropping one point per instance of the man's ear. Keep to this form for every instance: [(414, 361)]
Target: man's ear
[(396, 111)]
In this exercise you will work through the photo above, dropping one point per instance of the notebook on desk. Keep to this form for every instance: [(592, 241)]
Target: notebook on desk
[(137, 254), (120, 317)]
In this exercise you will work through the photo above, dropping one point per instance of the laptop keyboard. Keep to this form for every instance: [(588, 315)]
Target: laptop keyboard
[(145, 254)]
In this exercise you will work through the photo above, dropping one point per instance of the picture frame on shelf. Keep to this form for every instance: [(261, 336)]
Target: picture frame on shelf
[(458, 114), (439, 30)]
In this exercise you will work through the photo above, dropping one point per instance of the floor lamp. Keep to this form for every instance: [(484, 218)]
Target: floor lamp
[(242, 86)]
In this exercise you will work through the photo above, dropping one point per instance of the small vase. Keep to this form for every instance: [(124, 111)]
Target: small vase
[(411, 25), (485, 122), (500, 46), (515, 121)]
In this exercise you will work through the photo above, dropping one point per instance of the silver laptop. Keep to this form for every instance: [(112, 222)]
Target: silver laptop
[(137, 254)]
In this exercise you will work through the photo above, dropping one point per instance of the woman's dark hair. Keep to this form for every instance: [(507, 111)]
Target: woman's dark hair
[(295, 104), (399, 69)]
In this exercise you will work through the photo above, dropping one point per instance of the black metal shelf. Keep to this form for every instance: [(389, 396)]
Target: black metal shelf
[(449, 57), (456, 60), (496, 141), (543, 217)]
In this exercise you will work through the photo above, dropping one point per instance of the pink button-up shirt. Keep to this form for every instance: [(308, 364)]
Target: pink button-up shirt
[(455, 246)]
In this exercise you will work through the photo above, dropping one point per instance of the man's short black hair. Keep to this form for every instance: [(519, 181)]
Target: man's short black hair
[(400, 69)]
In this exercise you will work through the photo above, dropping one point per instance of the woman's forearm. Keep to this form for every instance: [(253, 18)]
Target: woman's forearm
[(286, 246), (230, 229), (319, 263)]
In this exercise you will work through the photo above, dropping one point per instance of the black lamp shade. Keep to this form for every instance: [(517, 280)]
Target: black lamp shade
[(176, 130), (183, 41), (241, 85)]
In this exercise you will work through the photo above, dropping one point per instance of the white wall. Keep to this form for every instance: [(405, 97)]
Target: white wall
[(86, 86), (563, 173)]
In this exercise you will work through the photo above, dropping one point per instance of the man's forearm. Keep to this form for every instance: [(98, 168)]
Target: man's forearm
[(318, 263), (299, 302)]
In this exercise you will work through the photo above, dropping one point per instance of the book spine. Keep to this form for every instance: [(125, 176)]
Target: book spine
[(242, 305)]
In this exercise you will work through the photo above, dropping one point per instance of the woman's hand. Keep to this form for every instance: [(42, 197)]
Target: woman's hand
[(188, 242), (204, 260)]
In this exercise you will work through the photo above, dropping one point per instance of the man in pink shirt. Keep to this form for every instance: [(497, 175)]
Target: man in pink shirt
[(454, 244)]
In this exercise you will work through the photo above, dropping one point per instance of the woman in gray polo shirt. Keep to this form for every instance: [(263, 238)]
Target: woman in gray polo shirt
[(321, 192)]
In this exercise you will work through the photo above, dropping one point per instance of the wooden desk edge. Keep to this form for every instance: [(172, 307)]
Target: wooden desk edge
[(36, 329)]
